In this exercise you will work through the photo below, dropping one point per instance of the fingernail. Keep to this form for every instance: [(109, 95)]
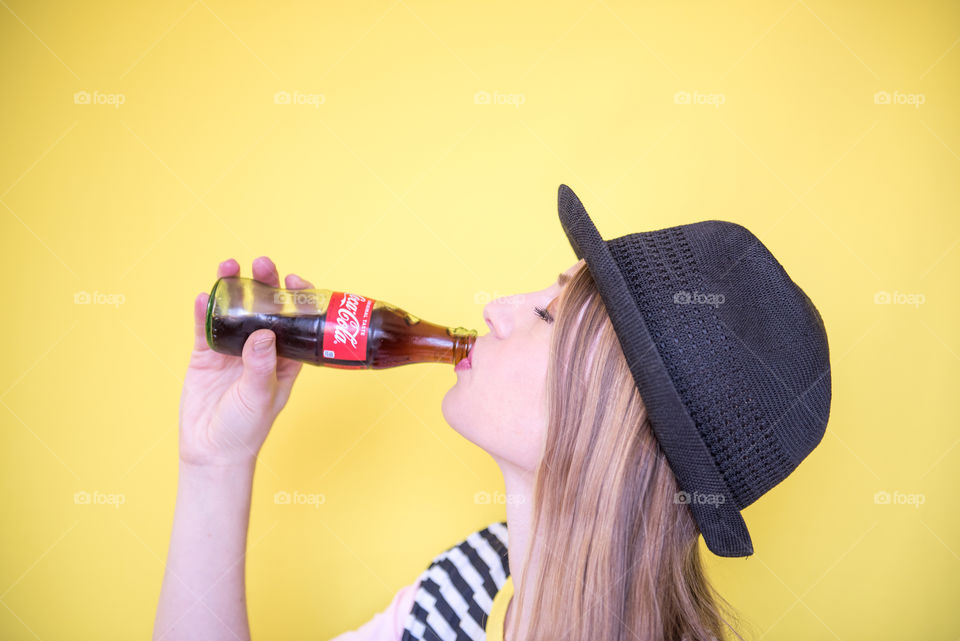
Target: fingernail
[(263, 344)]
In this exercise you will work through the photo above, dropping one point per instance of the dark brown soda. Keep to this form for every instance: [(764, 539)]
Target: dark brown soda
[(394, 338)]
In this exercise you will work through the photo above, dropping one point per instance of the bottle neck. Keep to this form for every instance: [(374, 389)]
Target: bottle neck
[(463, 341)]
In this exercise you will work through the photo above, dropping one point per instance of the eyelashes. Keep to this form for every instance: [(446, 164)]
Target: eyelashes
[(544, 314)]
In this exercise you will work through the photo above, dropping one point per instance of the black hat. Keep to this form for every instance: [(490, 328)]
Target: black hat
[(729, 355)]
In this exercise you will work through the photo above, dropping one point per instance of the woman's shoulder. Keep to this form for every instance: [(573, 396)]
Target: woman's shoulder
[(489, 544), (464, 578), (455, 593)]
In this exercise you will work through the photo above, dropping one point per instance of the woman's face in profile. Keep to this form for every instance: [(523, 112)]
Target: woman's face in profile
[(499, 403)]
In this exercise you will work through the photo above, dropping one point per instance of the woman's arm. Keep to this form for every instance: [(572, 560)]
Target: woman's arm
[(203, 594), (227, 407)]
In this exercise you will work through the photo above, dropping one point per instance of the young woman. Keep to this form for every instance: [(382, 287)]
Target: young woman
[(663, 383)]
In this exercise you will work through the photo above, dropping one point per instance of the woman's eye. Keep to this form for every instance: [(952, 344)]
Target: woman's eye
[(544, 314)]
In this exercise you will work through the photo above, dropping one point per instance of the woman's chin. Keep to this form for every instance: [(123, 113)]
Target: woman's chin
[(455, 412), (448, 407)]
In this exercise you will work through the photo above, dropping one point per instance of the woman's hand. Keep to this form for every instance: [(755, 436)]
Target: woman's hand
[(228, 402)]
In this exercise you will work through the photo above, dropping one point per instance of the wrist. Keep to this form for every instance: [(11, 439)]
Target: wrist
[(218, 472)]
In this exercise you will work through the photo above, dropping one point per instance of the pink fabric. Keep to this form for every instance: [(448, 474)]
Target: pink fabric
[(386, 625)]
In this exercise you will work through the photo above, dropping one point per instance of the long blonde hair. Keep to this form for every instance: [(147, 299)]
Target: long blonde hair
[(619, 557)]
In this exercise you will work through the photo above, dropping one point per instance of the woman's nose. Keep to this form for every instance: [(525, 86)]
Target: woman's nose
[(497, 314)]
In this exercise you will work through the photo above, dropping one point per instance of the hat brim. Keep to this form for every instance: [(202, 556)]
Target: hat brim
[(718, 517)]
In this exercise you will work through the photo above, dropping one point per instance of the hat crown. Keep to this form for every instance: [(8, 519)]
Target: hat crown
[(744, 346)]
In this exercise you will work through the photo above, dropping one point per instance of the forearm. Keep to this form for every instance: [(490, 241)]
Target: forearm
[(203, 594)]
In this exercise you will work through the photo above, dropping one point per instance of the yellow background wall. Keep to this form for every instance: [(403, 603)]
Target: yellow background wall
[(386, 174)]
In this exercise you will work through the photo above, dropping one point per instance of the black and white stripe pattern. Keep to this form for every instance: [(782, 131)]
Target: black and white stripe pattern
[(457, 589)]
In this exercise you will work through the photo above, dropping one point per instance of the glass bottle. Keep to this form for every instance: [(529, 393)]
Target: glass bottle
[(328, 328)]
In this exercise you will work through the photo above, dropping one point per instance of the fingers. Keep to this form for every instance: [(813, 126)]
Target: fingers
[(287, 371), (199, 322), (259, 377), (229, 267), (265, 271), (305, 304), (292, 281)]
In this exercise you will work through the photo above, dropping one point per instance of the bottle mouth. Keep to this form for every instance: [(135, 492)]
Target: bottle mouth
[(464, 340)]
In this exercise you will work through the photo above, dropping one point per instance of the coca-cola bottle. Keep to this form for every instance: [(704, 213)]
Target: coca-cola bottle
[(329, 328)]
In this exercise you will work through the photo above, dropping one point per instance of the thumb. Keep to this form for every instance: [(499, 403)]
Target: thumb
[(259, 378)]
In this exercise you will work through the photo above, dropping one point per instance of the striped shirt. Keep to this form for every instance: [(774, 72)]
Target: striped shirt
[(456, 592), (461, 596)]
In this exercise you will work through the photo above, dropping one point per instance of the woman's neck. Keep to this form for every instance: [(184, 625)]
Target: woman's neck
[(519, 500)]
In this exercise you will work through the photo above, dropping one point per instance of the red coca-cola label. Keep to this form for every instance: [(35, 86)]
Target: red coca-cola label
[(346, 327)]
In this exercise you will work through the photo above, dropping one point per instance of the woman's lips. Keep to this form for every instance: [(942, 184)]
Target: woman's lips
[(464, 363)]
